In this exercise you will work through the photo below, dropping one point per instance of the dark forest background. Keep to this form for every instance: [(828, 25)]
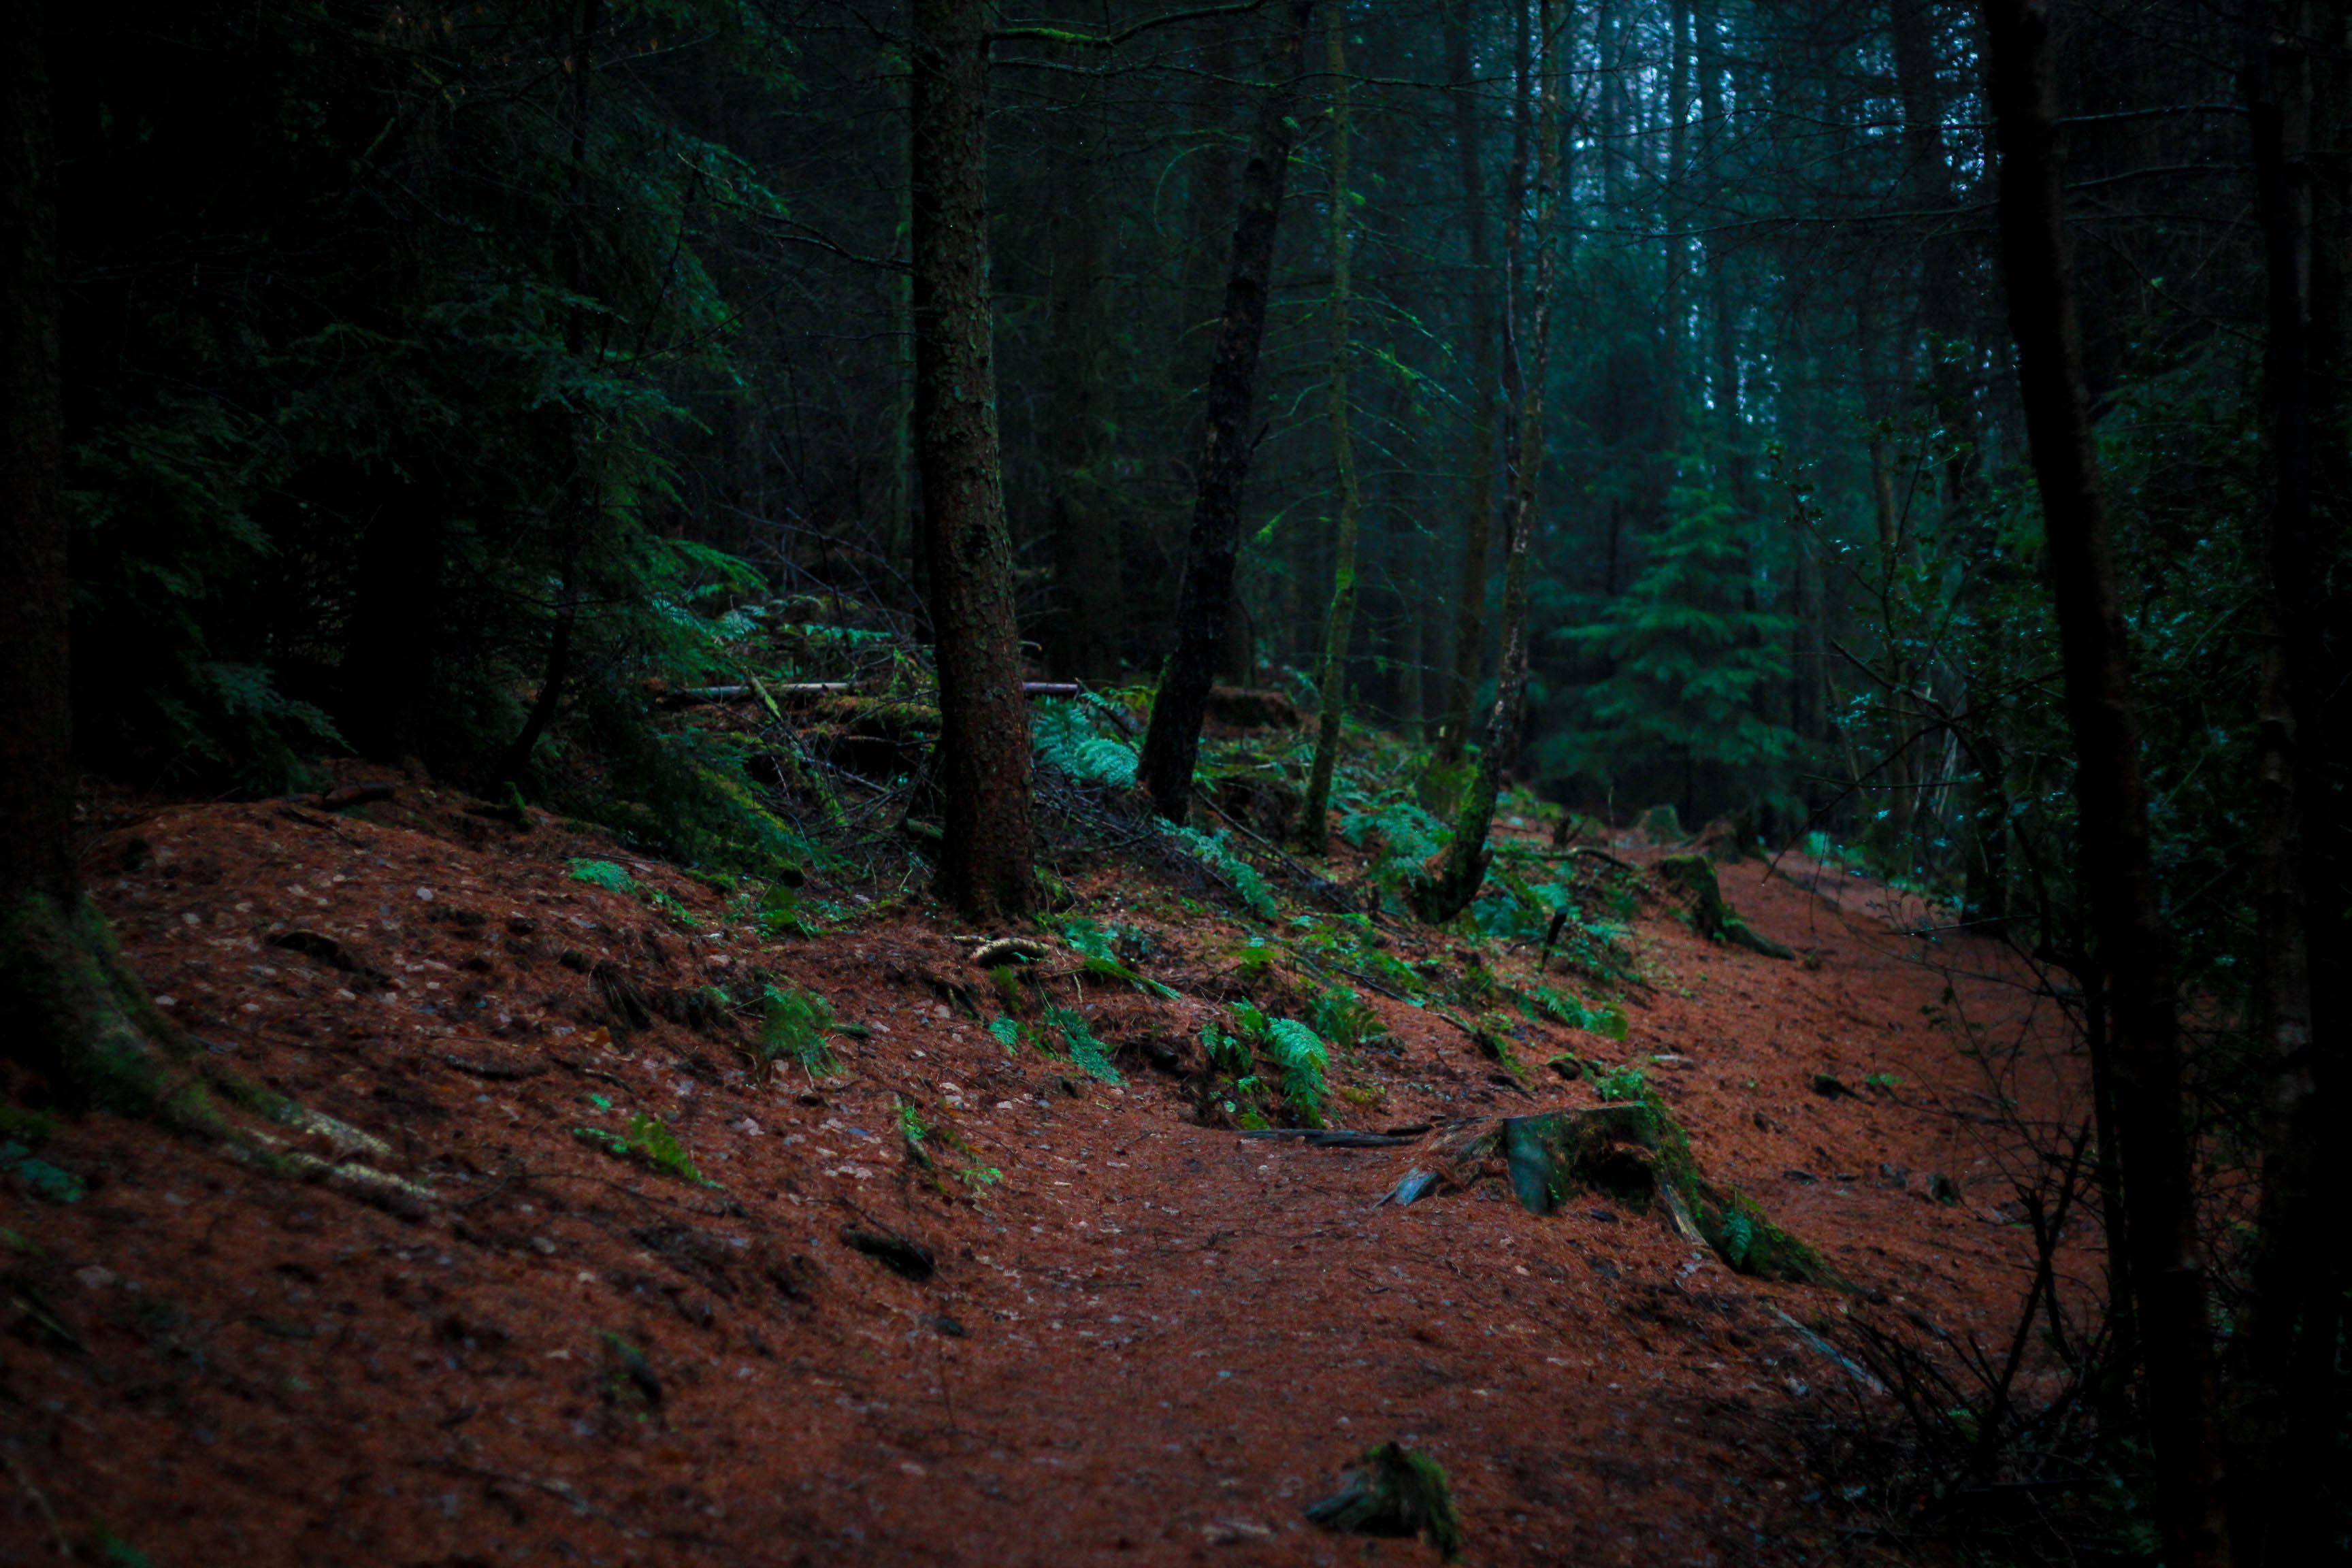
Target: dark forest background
[(440, 379)]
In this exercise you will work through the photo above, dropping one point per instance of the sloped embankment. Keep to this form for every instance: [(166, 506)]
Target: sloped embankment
[(1124, 1334)]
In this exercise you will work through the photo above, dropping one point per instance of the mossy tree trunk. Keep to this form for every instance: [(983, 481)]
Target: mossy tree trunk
[(1445, 887), (40, 897), (1478, 519), (1172, 747), (1314, 821), (985, 854)]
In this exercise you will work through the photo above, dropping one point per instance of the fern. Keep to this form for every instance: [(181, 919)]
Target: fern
[(1098, 950), (1739, 1235), (1067, 742), (793, 1024), (1239, 874), (1226, 1054), (1108, 761), (604, 874), (649, 1142), (1606, 1019), (1408, 834), (1087, 1051), (1302, 1056), (1624, 1084), (1345, 1019)]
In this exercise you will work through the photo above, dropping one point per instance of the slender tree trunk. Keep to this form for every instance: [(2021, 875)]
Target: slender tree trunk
[(580, 499), (985, 866), (2134, 942), (1313, 824), (1172, 744), (35, 721), (1675, 202), (1084, 636), (2291, 1407), (1447, 885), (1478, 523), (71, 1010)]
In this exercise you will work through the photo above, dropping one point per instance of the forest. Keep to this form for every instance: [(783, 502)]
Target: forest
[(1229, 547)]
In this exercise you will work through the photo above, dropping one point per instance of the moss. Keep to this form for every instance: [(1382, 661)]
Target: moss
[(1693, 875), (1395, 1491), (82, 1019), (1634, 1152)]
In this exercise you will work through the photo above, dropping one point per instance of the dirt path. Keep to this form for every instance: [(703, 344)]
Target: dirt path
[(1152, 1340)]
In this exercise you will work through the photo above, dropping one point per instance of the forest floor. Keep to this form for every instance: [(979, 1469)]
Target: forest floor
[(1151, 1339)]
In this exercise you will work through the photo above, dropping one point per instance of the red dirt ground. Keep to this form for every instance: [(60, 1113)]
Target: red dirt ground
[(1154, 1341)]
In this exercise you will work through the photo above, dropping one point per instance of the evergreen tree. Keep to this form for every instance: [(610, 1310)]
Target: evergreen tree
[(1691, 661)]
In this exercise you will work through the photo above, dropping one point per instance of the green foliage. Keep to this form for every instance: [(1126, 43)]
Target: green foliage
[(1097, 948), (1081, 1045), (52, 1184), (1225, 1053), (604, 874), (1345, 1019), (426, 399), (794, 1026), (1073, 738), (1560, 1008), (1217, 855), (1302, 1056), (911, 1125), (1738, 1234), (1690, 660), (1625, 1083), (780, 910), (649, 1142), (1406, 835), (1007, 1033), (116, 1552)]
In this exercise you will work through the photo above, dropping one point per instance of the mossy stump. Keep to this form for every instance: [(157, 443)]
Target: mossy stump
[(1634, 1155), (1692, 877)]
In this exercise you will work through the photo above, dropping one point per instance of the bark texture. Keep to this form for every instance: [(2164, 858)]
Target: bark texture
[(1314, 826), (985, 853), (1172, 745), (1447, 885), (2290, 1407), (2132, 957), (1082, 636), (1478, 517)]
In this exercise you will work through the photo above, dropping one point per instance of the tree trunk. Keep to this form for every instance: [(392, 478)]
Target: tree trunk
[(1172, 744), (1084, 633), (36, 722), (1313, 824), (2133, 942), (983, 751), (1478, 523), (1445, 887), (75, 1017), (2290, 1407)]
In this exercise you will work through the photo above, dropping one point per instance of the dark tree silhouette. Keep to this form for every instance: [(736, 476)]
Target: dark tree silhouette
[(1172, 745), (2133, 951)]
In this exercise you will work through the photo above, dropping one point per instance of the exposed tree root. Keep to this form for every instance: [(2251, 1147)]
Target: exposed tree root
[(85, 1024)]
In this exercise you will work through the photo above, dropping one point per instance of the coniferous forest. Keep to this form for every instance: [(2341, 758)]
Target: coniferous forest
[(662, 662)]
